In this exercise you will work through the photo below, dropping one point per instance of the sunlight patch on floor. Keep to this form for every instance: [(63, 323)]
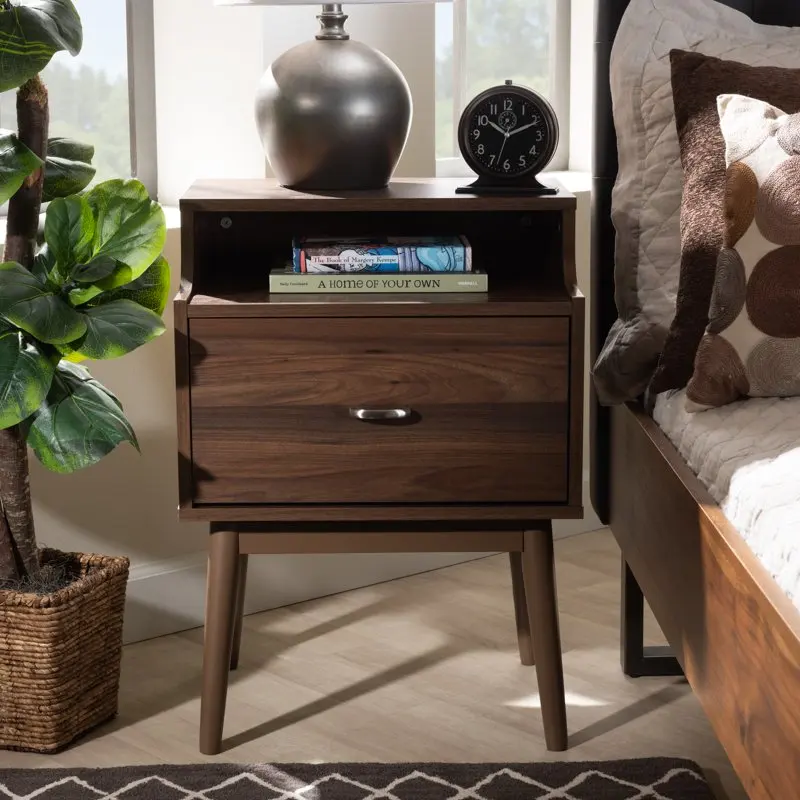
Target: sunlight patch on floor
[(573, 699)]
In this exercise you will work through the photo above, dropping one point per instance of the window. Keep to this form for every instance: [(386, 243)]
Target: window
[(481, 43), (92, 97)]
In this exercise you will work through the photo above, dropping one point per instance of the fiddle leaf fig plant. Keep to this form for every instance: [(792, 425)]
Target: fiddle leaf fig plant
[(84, 280), (32, 33), (68, 168)]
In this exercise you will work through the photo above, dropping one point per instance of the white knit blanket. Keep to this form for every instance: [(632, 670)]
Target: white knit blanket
[(748, 455)]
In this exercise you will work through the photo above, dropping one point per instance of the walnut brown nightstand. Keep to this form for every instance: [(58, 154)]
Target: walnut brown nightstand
[(379, 423)]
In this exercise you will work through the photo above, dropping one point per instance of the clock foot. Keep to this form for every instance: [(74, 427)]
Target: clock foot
[(529, 188)]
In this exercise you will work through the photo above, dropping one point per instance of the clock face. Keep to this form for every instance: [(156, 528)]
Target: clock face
[(508, 133)]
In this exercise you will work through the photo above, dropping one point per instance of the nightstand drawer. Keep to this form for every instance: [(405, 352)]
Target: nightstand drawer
[(480, 405)]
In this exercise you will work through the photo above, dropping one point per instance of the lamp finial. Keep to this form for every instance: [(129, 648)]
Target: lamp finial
[(332, 21)]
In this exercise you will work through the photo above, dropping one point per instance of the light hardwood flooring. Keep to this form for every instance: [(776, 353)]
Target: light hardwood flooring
[(421, 669)]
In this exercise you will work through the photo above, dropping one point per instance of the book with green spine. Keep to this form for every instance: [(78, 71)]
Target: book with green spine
[(281, 281)]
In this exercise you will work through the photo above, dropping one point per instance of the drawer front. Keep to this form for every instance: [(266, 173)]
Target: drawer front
[(273, 402)]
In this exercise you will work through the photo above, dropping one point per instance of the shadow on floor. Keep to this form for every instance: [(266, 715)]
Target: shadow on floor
[(640, 708), (352, 692)]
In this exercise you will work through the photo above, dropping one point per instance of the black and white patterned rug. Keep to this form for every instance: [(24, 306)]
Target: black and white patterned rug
[(640, 779)]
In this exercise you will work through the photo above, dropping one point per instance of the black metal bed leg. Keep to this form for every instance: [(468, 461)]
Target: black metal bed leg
[(639, 661)]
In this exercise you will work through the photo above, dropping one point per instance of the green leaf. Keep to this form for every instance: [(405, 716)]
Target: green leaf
[(97, 269), (17, 161), (70, 149), (29, 304), (31, 33), (25, 377), (79, 423), (131, 228), (68, 231), (150, 289), (115, 329), (85, 294), (63, 177)]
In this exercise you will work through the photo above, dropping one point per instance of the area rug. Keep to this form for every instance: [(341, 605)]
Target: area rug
[(640, 779)]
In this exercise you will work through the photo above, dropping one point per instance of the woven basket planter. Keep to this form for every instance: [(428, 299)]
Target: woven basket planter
[(60, 655)]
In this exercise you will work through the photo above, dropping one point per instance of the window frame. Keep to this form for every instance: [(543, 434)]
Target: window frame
[(140, 26), (560, 65), (140, 36)]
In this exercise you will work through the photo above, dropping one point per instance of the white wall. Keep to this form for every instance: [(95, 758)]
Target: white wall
[(127, 504)]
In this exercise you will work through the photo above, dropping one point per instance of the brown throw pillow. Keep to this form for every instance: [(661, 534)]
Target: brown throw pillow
[(697, 82), (752, 344)]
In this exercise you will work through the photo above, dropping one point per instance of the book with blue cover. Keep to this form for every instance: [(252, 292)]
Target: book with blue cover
[(394, 254)]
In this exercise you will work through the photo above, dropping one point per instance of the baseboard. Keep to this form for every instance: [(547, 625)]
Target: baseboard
[(169, 596)]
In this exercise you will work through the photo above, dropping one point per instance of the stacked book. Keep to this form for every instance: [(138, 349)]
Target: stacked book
[(395, 264)]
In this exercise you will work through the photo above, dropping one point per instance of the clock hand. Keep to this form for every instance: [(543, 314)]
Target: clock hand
[(523, 128), (498, 128), (500, 154)]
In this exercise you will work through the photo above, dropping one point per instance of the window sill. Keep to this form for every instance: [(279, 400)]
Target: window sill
[(575, 181)]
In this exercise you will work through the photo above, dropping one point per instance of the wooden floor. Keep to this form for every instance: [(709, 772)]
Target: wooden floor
[(422, 669)]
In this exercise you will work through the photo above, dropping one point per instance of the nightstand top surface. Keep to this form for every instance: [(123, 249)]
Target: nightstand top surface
[(409, 194)]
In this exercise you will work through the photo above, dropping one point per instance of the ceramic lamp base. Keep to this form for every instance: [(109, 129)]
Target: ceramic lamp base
[(333, 114)]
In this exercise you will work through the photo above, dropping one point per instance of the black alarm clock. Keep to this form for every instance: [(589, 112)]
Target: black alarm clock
[(507, 135)]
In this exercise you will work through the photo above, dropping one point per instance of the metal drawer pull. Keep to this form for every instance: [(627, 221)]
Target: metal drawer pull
[(380, 414)]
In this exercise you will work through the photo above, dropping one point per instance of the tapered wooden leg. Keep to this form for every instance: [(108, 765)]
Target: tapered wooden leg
[(521, 610), (538, 566), (223, 568), (241, 585)]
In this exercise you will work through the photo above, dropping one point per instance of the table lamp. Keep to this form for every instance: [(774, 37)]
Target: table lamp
[(333, 114)]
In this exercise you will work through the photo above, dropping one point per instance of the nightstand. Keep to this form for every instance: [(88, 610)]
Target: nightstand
[(287, 438)]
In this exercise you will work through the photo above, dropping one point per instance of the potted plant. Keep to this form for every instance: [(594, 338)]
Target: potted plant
[(84, 280)]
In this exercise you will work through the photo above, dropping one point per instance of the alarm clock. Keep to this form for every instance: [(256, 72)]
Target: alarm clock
[(507, 135)]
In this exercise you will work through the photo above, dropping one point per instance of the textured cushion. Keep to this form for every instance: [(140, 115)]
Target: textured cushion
[(647, 194), (697, 82), (752, 344)]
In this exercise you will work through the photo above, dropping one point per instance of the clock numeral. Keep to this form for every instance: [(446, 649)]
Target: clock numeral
[(522, 161), (483, 120), (481, 149), (524, 109), (508, 104), (535, 119), (492, 159), (539, 136), (493, 108), (506, 165), (476, 134), (533, 151)]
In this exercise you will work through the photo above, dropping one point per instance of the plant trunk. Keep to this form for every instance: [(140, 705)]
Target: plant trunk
[(33, 121), (19, 557)]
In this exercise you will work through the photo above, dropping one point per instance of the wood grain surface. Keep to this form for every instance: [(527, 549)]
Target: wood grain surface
[(412, 517), (417, 193), (734, 631), (543, 301), (271, 403), (183, 401), (576, 397)]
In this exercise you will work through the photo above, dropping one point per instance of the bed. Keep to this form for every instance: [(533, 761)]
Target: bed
[(733, 628)]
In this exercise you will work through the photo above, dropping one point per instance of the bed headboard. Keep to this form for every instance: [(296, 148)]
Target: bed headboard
[(608, 16)]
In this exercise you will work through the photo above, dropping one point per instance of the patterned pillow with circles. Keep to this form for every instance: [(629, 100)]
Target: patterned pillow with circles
[(751, 347)]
